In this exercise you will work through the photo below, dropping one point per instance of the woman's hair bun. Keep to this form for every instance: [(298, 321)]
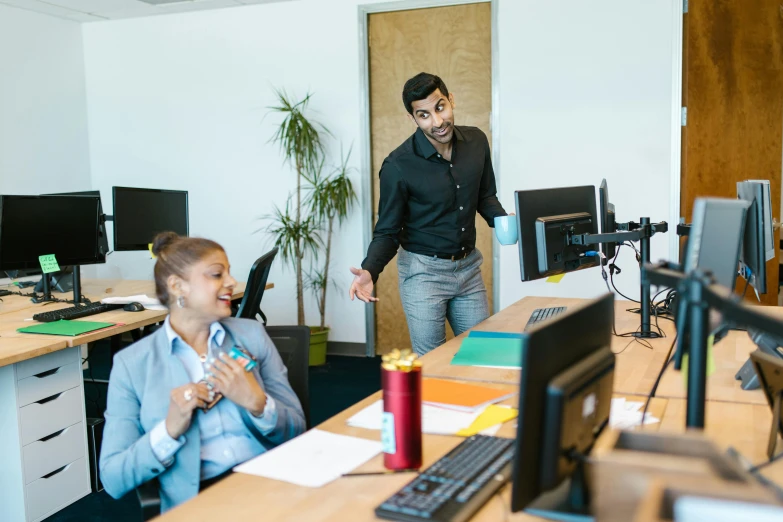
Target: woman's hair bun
[(162, 241)]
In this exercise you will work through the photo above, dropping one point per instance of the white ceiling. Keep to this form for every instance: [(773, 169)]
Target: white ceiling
[(97, 10)]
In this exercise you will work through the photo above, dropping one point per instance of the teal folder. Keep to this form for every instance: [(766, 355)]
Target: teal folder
[(489, 351)]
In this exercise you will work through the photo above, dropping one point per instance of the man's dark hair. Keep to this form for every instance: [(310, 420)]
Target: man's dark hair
[(421, 86)]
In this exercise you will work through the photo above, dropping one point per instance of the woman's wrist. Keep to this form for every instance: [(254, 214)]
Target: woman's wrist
[(259, 405)]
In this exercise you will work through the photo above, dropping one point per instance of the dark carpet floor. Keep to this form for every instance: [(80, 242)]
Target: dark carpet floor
[(341, 382)]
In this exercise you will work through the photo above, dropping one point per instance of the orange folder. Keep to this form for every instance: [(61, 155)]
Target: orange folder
[(459, 396)]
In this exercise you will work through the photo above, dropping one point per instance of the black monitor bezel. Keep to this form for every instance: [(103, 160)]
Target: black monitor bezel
[(126, 247), (35, 263)]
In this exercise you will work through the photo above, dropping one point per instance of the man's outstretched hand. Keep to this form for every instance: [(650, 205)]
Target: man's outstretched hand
[(362, 286)]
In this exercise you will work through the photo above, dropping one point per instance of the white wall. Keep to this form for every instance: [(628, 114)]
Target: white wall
[(43, 112), (586, 94), (179, 101)]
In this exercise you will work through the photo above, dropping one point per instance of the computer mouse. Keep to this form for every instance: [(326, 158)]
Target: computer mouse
[(133, 307)]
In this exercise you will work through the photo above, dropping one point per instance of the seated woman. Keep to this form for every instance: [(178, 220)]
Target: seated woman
[(156, 425)]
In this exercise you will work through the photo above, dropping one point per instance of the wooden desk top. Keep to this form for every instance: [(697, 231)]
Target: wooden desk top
[(15, 349), (729, 355), (745, 426), (637, 365), (239, 496), (16, 312)]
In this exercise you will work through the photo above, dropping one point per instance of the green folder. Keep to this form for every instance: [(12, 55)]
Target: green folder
[(63, 327), (489, 351)]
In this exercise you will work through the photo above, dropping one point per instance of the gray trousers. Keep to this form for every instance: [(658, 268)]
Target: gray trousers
[(433, 290)]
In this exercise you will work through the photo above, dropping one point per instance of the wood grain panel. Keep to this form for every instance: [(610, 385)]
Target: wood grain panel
[(402, 44), (733, 90)]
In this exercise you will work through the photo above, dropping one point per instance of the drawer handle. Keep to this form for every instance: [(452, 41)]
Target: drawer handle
[(53, 435), (55, 472), (47, 373), (49, 399)]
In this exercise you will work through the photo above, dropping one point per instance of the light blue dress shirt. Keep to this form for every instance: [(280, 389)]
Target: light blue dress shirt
[(225, 440)]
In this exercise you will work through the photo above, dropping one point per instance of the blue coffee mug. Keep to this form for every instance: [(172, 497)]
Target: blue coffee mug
[(506, 229)]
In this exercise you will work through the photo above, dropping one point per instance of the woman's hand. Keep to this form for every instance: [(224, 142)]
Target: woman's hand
[(184, 400), (241, 387)]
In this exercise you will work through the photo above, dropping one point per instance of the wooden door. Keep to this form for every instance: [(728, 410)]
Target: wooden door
[(455, 43), (733, 91)]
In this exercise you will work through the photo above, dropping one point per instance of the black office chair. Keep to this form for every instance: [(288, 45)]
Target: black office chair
[(149, 499), (293, 345), (256, 284)]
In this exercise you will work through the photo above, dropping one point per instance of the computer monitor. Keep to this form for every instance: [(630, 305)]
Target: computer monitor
[(33, 226), (546, 218), (714, 243), (565, 397), (715, 240), (758, 244), (608, 220), (140, 214), (102, 235)]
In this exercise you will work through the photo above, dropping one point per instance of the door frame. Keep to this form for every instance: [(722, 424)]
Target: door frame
[(679, 8), (366, 149)]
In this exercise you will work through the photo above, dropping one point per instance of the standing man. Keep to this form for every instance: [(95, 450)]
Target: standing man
[(431, 188)]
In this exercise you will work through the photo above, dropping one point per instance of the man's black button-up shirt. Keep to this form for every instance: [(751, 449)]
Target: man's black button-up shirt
[(427, 204)]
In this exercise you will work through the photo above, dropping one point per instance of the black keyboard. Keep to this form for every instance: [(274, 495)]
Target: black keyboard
[(543, 314), (457, 485), (75, 312)]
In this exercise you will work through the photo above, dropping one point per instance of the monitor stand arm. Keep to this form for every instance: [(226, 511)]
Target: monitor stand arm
[(47, 289), (641, 232), (77, 284)]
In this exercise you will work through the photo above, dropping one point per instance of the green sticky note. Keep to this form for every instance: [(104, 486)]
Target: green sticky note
[(487, 351), (66, 328), (710, 362), (48, 264)]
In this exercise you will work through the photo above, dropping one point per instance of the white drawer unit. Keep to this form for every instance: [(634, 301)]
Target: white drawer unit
[(53, 452), (46, 362), (39, 419), (48, 383), (54, 491), (43, 439)]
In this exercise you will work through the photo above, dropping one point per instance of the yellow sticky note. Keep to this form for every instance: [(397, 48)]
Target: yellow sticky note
[(489, 417), (555, 278), (710, 361), (149, 246)]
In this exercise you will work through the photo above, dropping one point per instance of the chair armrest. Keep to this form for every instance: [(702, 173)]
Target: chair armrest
[(149, 499)]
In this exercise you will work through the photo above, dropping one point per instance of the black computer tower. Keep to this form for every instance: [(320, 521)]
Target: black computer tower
[(94, 438)]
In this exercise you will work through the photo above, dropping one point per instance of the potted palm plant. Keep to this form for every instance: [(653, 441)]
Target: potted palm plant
[(330, 199), (300, 141)]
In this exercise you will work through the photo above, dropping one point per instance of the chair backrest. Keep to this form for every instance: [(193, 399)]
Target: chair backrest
[(256, 282), (293, 345)]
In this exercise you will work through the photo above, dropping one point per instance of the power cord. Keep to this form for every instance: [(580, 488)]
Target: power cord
[(669, 360), (766, 463), (613, 268), (94, 384)]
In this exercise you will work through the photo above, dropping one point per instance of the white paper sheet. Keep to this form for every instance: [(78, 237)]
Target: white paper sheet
[(313, 459), (628, 414), (434, 420), (150, 303)]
